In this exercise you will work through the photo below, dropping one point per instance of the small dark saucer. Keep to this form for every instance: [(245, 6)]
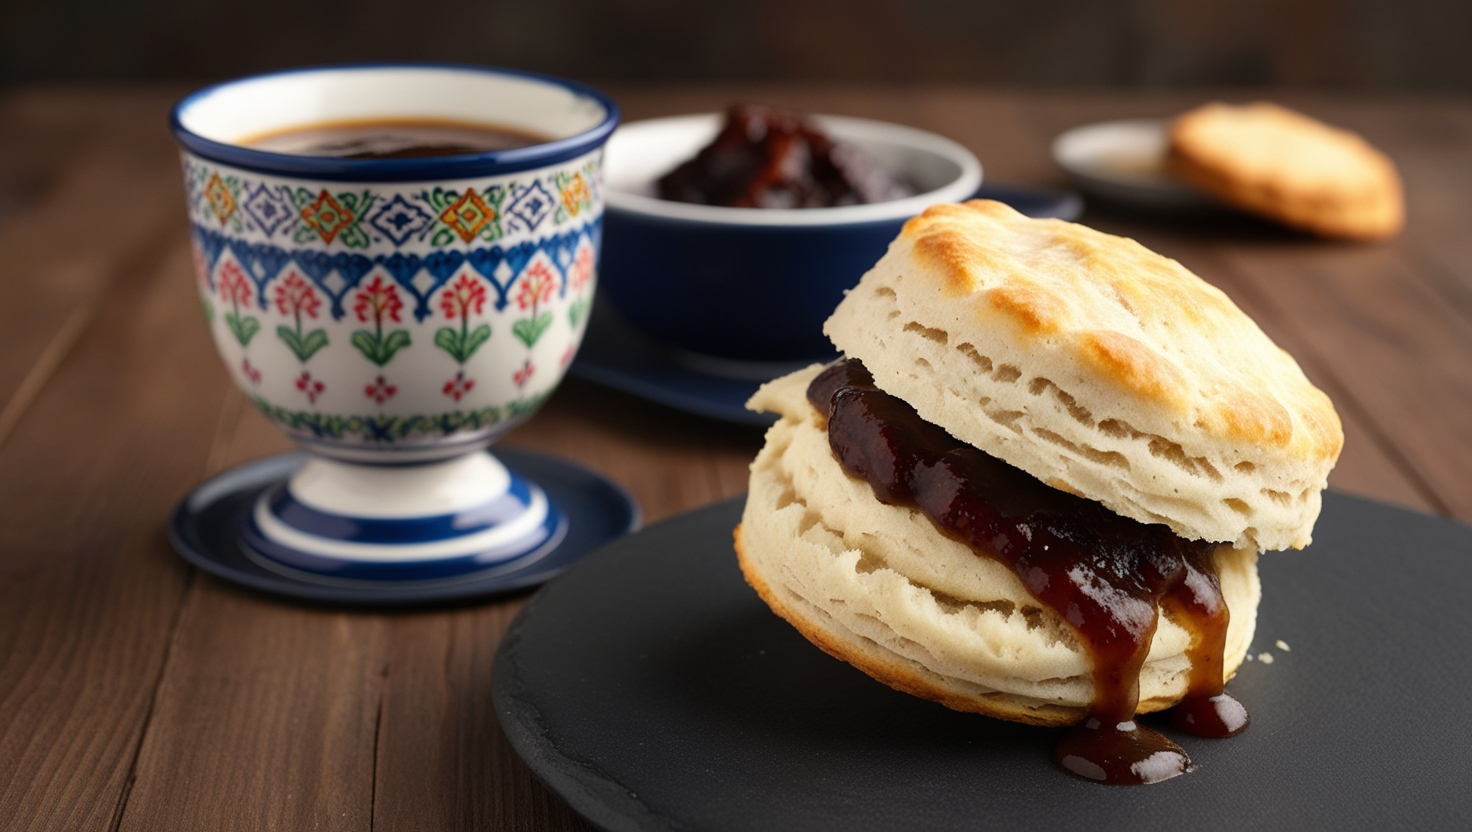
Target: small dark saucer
[(205, 530), (615, 354)]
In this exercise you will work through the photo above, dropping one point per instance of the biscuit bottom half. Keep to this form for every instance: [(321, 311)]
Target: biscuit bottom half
[(879, 587)]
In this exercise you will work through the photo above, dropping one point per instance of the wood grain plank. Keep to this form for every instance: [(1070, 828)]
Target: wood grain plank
[(35, 143), (266, 718), (1432, 146), (892, 103), (43, 129), (994, 126), (59, 251), (443, 761), (91, 590)]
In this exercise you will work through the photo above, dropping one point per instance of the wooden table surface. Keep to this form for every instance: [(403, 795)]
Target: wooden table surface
[(137, 693)]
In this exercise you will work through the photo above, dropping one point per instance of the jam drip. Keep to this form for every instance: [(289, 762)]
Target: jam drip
[(1104, 574), (765, 158)]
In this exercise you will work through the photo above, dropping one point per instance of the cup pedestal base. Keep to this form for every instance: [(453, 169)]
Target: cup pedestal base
[(403, 522), (316, 529)]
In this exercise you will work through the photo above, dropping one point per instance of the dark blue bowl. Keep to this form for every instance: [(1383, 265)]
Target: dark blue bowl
[(753, 292), (745, 283)]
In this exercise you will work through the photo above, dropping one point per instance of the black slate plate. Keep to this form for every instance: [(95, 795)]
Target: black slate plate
[(651, 689), (205, 531)]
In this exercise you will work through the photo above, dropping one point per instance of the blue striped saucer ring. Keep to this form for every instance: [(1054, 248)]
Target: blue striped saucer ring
[(402, 523)]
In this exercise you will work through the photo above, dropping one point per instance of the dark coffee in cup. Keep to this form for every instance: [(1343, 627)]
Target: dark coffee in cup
[(394, 139)]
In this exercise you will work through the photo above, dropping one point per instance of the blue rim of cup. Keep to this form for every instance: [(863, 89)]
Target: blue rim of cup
[(399, 170)]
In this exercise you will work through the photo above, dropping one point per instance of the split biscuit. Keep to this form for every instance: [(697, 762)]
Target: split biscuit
[(881, 588), (1099, 367), (1288, 167)]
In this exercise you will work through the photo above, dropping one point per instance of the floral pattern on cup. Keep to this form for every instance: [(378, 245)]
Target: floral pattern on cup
[(375, 303), (294, 298), (402, 314)]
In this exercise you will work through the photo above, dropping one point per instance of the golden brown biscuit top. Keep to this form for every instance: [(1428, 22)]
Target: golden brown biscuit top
[(1161, 336)]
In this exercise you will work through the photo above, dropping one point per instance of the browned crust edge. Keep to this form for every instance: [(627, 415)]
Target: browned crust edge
[(901, 678)]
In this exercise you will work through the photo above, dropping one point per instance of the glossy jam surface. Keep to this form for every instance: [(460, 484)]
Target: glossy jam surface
[(1122, 754), (765, 158), (1104, 574), (393, 139), (1217, 717)]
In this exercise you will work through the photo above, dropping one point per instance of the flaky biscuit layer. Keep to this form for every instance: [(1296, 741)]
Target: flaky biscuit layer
[(1099, 367), (878, 586), (1288, 167)]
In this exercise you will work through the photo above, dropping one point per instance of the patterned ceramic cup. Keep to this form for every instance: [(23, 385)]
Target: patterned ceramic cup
[(394, 310)]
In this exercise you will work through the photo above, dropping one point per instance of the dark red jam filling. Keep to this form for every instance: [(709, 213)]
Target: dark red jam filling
[(1106, 575), (765, 158)]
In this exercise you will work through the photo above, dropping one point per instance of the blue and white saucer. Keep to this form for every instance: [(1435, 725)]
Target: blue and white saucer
[(287, 525)]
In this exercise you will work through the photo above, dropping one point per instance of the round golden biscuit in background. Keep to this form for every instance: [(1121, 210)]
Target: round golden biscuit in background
[(1290, 168)]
